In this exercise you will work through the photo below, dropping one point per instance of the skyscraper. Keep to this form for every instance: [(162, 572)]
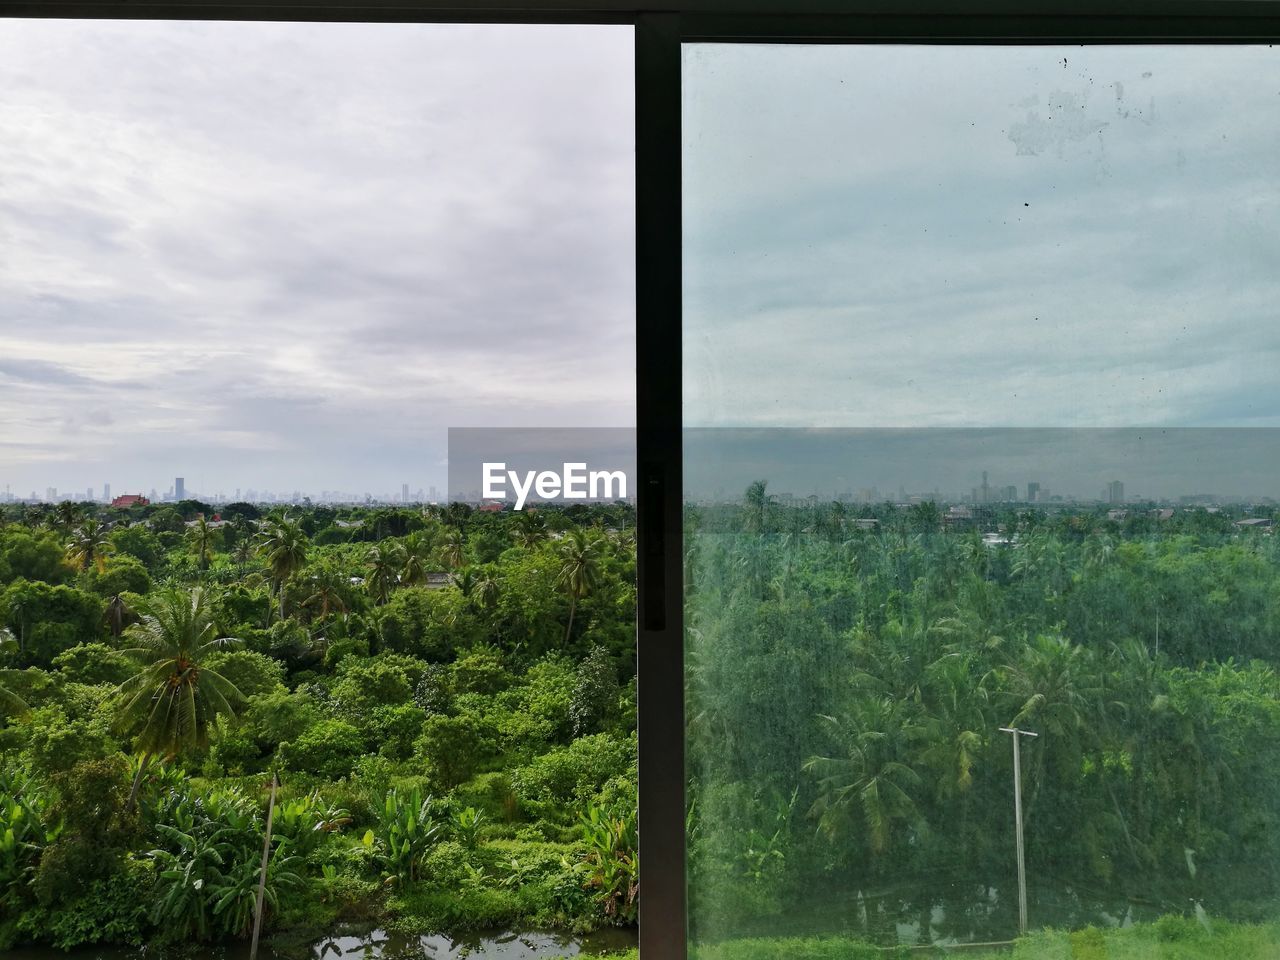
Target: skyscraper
[(404, 493), (1115, 492), (106, 492), (179, 488), (1033, 491)]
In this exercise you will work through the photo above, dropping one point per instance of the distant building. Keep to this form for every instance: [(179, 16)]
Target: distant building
[(126, 500), (1033, 491), (106, 492), (491, 507), (179, 488), (404, 493), (1117, 515), (1255, 523), (1115, 492)]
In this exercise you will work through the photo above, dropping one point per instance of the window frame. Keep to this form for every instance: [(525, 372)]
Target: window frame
[(661, 27)]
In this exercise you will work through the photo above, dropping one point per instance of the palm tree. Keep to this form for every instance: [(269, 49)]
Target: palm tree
[(200, 536), (531, 529), (327, 587), (8, 699), (579, 570), (242, 554), (284, 546), (870, 775), (89, 545), (385, 563), (67, 515), (417, 557), (173, 699), (453, 550), (758, 502)]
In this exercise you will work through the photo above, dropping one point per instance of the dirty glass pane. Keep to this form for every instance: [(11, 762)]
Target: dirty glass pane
[(980, 406)]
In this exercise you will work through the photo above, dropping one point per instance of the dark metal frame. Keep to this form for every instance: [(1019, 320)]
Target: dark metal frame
[(661, 26)]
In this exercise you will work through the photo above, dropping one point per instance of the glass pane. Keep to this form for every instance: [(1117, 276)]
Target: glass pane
[(981, 464), (252, 277)]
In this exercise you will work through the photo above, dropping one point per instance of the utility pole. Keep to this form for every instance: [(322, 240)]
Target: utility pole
[(262, 878), (1017, 819)]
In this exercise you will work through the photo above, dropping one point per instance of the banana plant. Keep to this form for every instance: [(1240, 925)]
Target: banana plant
[(466, 824), (613, 860), (25, 831), (407, 827)]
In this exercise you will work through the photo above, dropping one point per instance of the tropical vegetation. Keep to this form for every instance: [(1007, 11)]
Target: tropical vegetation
[(446, 696)]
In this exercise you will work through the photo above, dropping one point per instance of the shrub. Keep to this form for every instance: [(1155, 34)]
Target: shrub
[(573, 773), (362, 687), (595, 693), (123, 574), (94, 663), (453, 748), (253, 674), (329, 749), (274, 718), (481, 671)]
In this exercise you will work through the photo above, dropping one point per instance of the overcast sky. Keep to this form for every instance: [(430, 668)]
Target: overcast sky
[(288, 256), (949, 236)]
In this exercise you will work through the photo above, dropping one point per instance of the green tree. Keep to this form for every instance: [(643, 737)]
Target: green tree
[(579, 571), (8, 699), (170, 704), (283, 545), (385, 561), (200, 537), (89, 545)]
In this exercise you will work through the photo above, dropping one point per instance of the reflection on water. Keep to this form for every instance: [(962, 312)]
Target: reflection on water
[(508, 945), (380, 945)]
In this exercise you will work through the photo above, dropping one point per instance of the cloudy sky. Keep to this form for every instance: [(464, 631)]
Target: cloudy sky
[(283, 256), (904, 236)]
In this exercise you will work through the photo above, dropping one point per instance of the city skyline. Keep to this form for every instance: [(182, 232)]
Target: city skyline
[(309, 251)]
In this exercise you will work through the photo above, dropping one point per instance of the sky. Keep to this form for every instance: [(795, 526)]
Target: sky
[(291, 256), (908, 236)]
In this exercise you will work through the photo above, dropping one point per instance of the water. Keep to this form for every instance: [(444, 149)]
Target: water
[(378, 945)]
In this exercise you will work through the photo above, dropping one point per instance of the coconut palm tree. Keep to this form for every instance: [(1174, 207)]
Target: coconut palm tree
[(417, 557), (67, 515), (283, 545), (579, 570), (453, 548), (9, 700), (174, 698), (531, 529), (326, 587), (385, 561), (242, 554), (89, 545), (200, 536), (870, 774)]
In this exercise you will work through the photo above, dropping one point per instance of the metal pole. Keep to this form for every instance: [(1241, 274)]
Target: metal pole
[(262, 877), (1017, 823)]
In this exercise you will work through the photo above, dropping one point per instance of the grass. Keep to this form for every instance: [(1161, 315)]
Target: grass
[(1169, 938)]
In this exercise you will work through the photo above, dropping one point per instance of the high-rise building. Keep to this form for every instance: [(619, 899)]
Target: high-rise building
[(404, 493), (1115, 492), (106, 492), (179, 488), (1033, 491), (88, 494)]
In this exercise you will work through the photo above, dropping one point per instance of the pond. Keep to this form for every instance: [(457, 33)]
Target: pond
[(380, 945)]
